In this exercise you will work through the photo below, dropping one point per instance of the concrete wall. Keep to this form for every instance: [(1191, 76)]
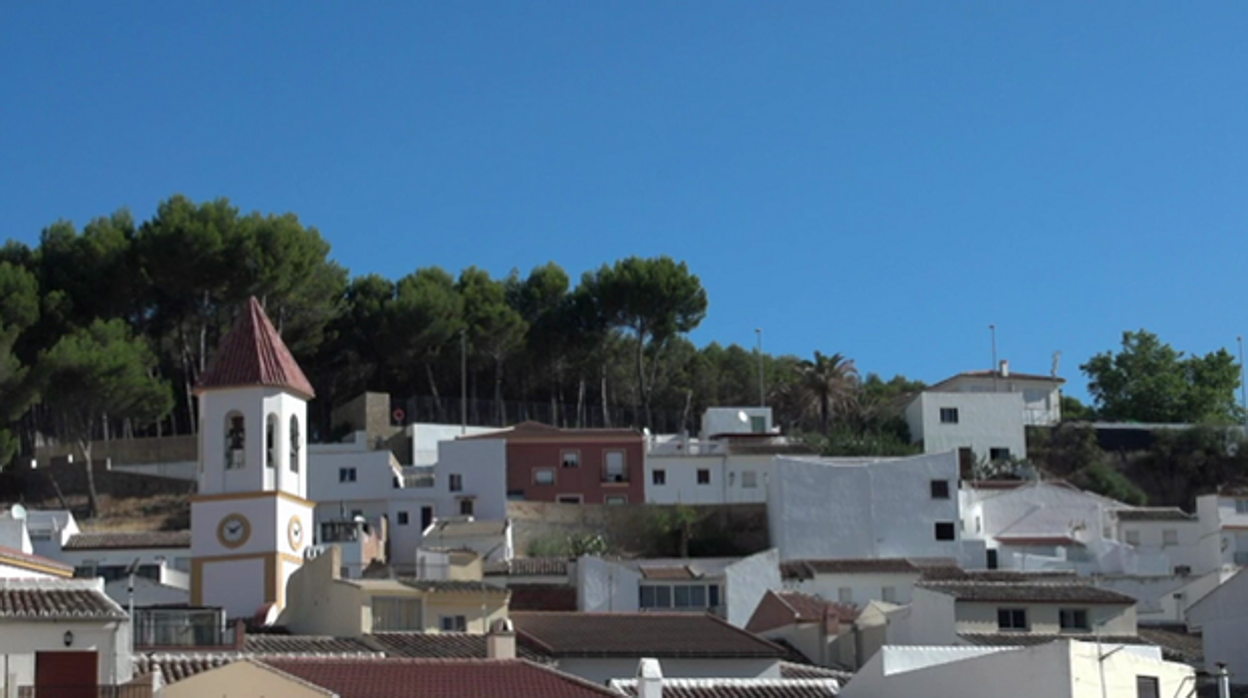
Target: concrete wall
[(985, 421), (861, 587), (164, 449), (746, 582), (728, 420), (1223, 532), (1152, 536), (427, 439), (829, 509), (731, 479), (600, 671), (604, 587), (1222, 618), (1164, 599)]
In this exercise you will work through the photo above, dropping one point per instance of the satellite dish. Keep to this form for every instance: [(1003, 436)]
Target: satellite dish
[(743, 417), (17, 511)]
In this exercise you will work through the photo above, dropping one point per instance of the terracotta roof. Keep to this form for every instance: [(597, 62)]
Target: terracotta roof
[(1029, 639), (956, 574), (794, 670), (439, 646), (252, 353), (737, 688), (988, 373), (16, 558), (657, 635), (1176, 642), (124, 540), (174, 667), (263, 643), (1154, 514), (1027, 592), (536, 431), (57, 599), (676, 572), (527, 567), (809, 608), (542, 597), (451, 586), (445, 678), (1037, 540), (807, 569)]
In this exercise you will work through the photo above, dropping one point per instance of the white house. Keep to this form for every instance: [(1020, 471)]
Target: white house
[(1061, 669), (599, 647), (162, 556), (1161, 532), (979, 426), (708, 473), (870, 507), (1223, 528), (1222, 619), (722, 421), (1041, 394), (58, 633), (855, 581), (1009, 613), (727, 587)]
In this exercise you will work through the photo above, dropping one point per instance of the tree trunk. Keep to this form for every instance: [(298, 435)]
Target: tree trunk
[(93, 504), (643, 394), (580, 402), (606, 414), (433, 388), (498, 392)]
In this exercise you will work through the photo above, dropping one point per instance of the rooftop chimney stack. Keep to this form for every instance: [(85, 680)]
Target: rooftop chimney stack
[(649, 679), (1005, 368), (500, 643)]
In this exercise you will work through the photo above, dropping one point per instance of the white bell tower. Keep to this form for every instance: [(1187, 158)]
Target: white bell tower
[(250, 519)]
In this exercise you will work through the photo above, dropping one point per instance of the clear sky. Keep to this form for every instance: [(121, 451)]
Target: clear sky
[(879, 179)]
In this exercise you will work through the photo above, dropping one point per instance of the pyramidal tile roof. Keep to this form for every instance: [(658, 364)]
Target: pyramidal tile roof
[(254, 354)]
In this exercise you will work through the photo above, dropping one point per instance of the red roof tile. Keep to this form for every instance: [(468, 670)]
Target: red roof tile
[(808, 608), (635, 635), (445, 678), (254, 354)]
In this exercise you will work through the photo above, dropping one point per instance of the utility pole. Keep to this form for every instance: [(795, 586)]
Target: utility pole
[(996, 371), (762, 386), (463, 381), (1243, 389)]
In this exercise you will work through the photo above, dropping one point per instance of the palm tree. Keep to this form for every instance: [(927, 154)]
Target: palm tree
[(830, 383)]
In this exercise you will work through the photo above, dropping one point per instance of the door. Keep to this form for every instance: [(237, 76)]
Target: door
[(992, 560), (67, 674)]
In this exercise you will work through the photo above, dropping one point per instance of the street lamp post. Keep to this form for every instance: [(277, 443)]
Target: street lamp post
[(463, 381), (762, 387)]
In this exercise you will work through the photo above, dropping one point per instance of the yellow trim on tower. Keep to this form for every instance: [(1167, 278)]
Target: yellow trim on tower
[(252, 495)]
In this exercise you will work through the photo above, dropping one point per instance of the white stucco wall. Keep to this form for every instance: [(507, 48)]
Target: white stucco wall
[(746, 581), (255, 404), (600, 671), (1223, 532), (825, 508), (985, 421), (728, 479), (12, 572), (932, 619), (603, 586), (728, 420), (1222, 618), (1152, 536), (863, 587)]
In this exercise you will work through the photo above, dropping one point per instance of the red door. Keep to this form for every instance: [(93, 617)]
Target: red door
[(66, 674)]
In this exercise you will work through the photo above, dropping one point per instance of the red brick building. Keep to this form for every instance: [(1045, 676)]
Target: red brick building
[(574, 466)]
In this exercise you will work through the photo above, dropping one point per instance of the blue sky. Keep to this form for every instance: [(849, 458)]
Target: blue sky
[(879, 179)]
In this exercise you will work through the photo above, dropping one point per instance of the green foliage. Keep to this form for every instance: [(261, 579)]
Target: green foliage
[(19, 309), (1073, 410), (1148, 381), (1106, 481), (846, 441), (572, 545)]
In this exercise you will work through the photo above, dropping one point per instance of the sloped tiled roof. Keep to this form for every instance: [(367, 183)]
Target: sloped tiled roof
[(542, 597), (737, 688), (1030, 639), (57, 599), (807, 569), (1176, 642), (125, 540), (253, 353), (676, 572), (16, 558), (453, 586), (657, 635), (795, 670), (1154, 514), (1027, 592), (439, 646), (527, 567), (808, 608), (445, 678), (176, 667), (258, 643)]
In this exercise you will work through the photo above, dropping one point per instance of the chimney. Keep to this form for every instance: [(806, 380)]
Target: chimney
[(1224, 681), (649, 679), (500, 643), (1005, 368)]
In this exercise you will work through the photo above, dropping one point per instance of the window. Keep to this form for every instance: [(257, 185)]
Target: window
[(454, 624), (235, 442), (456, 482), (1014, 619), (346, 475), (1170, 536), (681, 596), (396, 613), (403, 518), (658, 477), (426, 517), (1074, 620), (1132, 537), (569, 499), (996, 454), (570, 459), (294, 444), (614, 468), (940, 489), (758, 425), (1241, 506), (689, 596), (1147, 687), (656, 597), (544, 476), (616, 499), (948, 415), (704, 476), (888, 594), (270, 441), (467, 506), (845, 595), (944, 530), (749, 479)]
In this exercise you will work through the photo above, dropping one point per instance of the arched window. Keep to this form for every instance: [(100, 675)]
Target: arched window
[(235, 441), (294, 444), (270, 442)]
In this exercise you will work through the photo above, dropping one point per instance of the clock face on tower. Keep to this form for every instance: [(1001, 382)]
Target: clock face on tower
[(234, 530), (294, 533)]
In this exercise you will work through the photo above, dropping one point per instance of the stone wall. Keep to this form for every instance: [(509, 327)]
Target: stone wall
[(719, 529), (164, 449)]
